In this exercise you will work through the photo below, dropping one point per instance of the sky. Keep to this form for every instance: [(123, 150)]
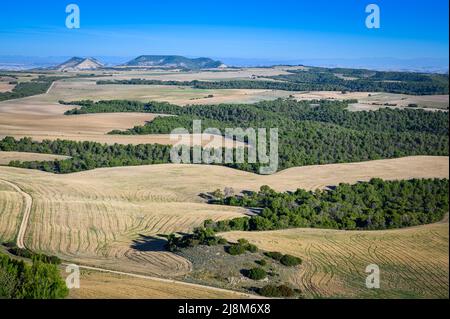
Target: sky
[(283, 29)]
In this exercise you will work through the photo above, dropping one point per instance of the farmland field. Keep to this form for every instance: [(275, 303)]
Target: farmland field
[(113, 286), (7, 157), (111, 217), (413, 262)]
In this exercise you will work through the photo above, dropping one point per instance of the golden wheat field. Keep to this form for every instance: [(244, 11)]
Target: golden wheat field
[(108, 217), (11, 206), (413, 262), (7, 157), (95, 284)]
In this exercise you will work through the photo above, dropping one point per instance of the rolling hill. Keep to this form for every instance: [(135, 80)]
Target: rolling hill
[(79, 64), (174, 61)]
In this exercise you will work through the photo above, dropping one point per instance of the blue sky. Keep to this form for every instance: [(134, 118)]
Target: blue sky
[(244, 29)]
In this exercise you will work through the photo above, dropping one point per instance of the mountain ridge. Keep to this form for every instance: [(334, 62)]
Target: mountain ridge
[(174, 61)]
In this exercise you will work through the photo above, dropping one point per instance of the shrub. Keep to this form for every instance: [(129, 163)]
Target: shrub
[(236, 249), (274, 255), (241, 247), (290, 261), (256, 273), (276, 291), (261, 262)]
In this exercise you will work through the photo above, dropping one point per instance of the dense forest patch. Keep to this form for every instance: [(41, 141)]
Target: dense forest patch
[(372, 205), (310, 132)]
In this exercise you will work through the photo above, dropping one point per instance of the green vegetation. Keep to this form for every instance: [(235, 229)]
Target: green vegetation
[(85, 155), (274, 255), (261, 262), (256, 273), (200, 236), (241, 247), (24, 89), (25, 253), (36, 86), (323, 79), (276, 291), (41, 280), (372, 205), (113, 106), (290, 261), (286, 260), (307, 129)]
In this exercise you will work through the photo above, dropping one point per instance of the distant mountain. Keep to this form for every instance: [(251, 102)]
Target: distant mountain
[(79, 64), (174, 61)]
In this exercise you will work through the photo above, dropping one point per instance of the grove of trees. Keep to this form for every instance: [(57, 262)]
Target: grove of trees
[(40, 280), (372, 205)]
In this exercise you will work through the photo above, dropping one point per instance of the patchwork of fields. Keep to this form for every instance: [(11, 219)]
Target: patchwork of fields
[(110, 217), (413, 262), (113, 217)]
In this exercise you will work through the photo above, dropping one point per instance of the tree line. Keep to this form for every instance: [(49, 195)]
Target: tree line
[(321, 79), (85, 155)]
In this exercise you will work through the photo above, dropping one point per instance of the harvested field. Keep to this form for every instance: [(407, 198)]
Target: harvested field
[(70, 90), (372, 101), (94, 285), (6, 87), (413, 262), (7, 157), (110, 217), (11, 207)]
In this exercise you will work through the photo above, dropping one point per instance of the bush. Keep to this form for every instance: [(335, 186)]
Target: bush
[(274, 255), (236, 249), (276, 291), (200, 236), (241, 247), (290, 261), (261, 262), (256, 273)]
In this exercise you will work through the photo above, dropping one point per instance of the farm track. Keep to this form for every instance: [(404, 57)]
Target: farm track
[(28, 201), (23, 228), (110, 218), (169, 281)]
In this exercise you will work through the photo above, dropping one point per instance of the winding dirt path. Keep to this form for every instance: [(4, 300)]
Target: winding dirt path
[(170, 281), (23, 228), (26, 213)]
